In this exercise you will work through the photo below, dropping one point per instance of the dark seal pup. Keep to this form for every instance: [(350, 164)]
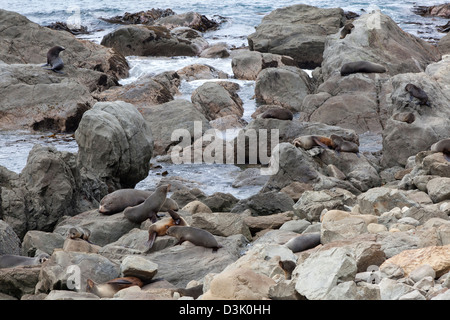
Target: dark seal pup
[(196, 236), (79, 233), (418, 93), (361, 66), (340, 144), (347, 29), (149, 208), (442, 146), (54, 60), (277, 113), (12, 260)]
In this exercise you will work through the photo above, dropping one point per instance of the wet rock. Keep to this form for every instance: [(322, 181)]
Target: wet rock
[(198, 71), (219, 50), (191, 19), (142, 17)]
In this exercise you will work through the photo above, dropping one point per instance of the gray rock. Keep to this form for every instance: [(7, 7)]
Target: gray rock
[(393, 290), (222, 223), (115, 143), (421, 272), (9, 241), (140, 267), (439, 189), (265, 203), (383, 199), (39, 240), (19, 281)]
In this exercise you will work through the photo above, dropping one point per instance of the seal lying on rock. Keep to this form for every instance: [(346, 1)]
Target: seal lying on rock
[(361, 66), (79, 233), (149, 208), (303, 242), (416, 92), (110, 288), (442, 146), (12, 260), (308, 142), (340, 144), (277, 113), (54, 60), (160, 227), (119, 200), (196, 236)]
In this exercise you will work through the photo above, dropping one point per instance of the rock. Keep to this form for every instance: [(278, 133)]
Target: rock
[(196, 207), (322, 271), (422, 272), (198, 71), (298, 31), (439, 189), (177, 114), (220, 202), (441, 10), (413, 295), (344, 228), (140, 267), (393, 290), (115, 144), (19, 281), (25, 107), (382, 199), (58, 272), (187, 256), (349, 290), (246, 65), (148, 41), (43, 241), (435, 256), (70, 295), (79, 245), (376, 228), (265, 203), (219, 50), (222, 223), (297, 226), (215, 101), (273, 221), (104, 229), (249, 177), (33, 41), (191, 19), (190, 35), (9, 241), (444, 44), (142, 93), (239, 284), (141, 17), (284, 86), (376, 37)]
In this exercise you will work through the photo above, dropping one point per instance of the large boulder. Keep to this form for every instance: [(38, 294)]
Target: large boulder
[(9, 241), (23, 41), (377, 38), (165, 118), (31, 98), (115, 144), (148, 41), (298, 31), (283, 86)]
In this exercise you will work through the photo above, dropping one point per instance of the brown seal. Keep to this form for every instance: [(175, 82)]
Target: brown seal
[(119, 200), (196, 236), (108, 289), (287, 266), (407, 117), (442, 146), (361, 66), (418, 93), (149, 208), (54, 60), (160, 227), (347, 29), (308, 142), (79, 233), (277, 113), (12, 260), (303, 242), (340, 144), (194, 292)]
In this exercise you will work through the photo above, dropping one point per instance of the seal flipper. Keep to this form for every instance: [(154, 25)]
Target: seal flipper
[(319, 143), (175, 216), (447, 156), (151, 240)]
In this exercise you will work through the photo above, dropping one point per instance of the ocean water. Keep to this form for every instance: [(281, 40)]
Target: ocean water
[(240, 16)]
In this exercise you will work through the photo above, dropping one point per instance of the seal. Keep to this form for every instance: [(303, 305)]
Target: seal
[(308, 142), (340, 144), (110, 288), (149, 208), (54, 60), (303, 242), (407, 117), (119, 200), (160, 227), (361, 66), (12, 260), (347, 29), (79, 233), (277, 113), (196, 236), (287, 266), (416, 92), (194, 292), (442, 146)]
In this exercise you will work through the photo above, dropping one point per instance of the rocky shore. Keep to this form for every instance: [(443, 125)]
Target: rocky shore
[(382, 217)]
